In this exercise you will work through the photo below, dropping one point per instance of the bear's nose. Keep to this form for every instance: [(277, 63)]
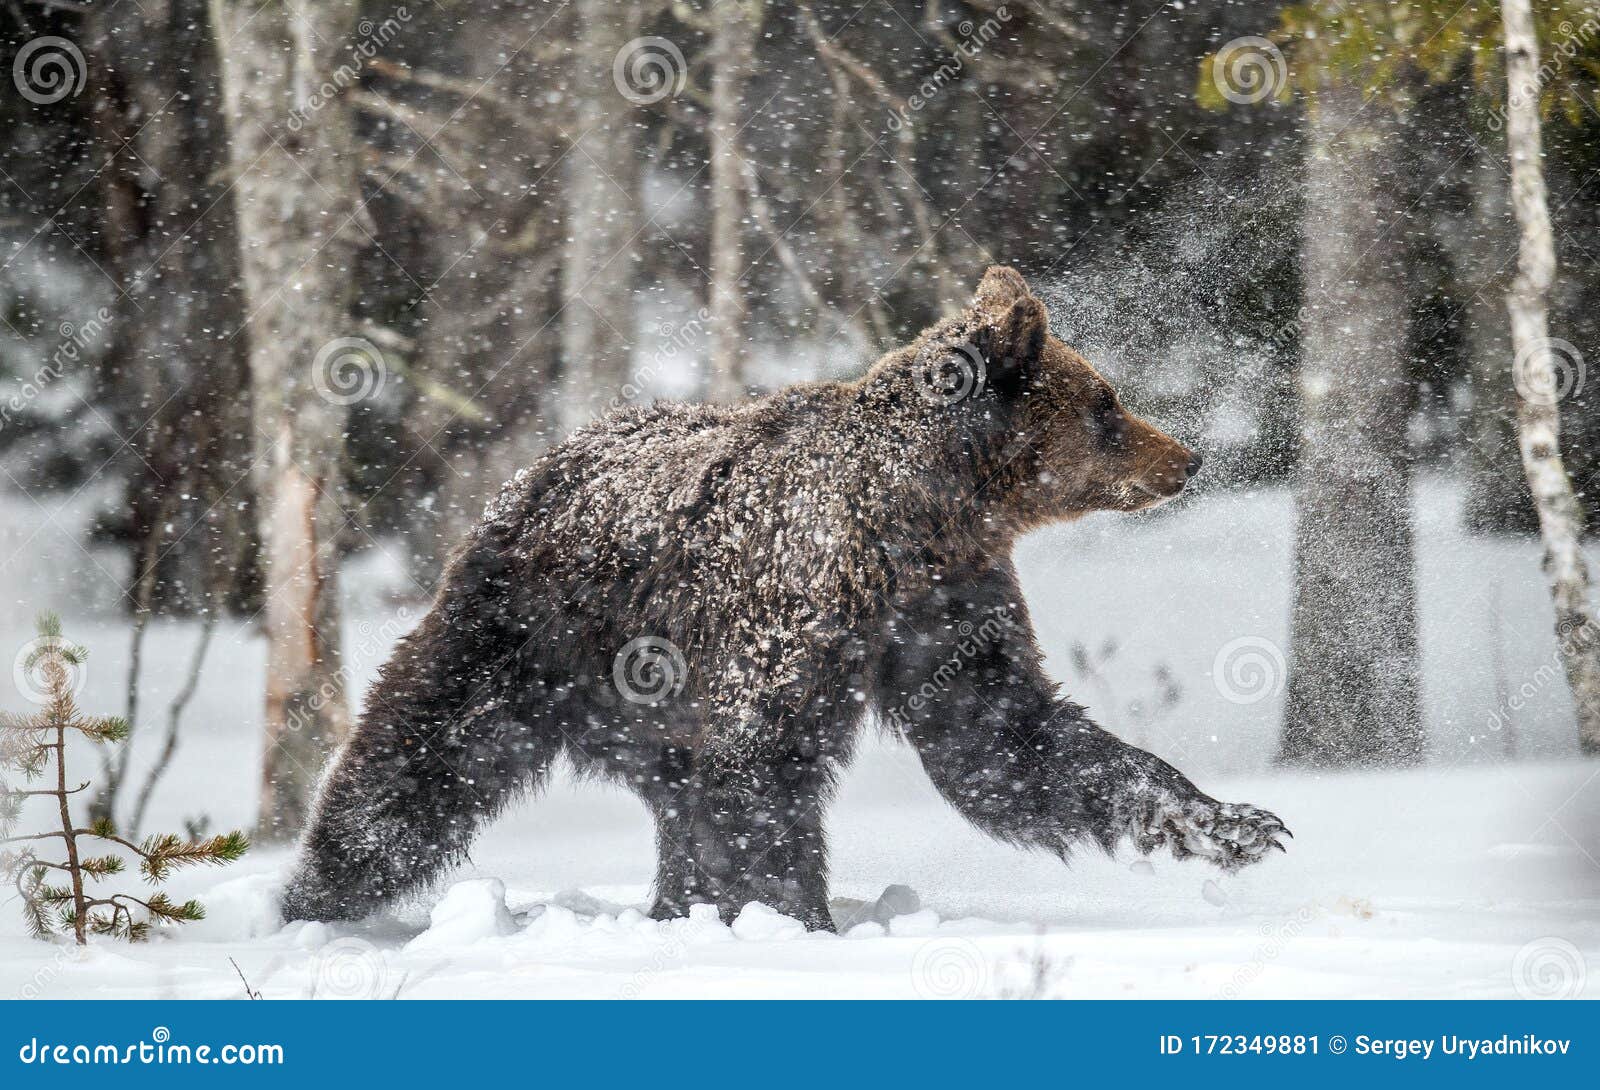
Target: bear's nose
[(1193, 467)]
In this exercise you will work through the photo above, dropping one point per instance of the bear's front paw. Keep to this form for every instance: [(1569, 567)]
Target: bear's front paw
[(1229, 835)]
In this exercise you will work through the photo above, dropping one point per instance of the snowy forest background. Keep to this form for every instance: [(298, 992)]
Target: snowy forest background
[(288, 289)]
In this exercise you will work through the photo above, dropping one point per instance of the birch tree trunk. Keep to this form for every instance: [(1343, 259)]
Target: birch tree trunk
[(293, 172), (733, 40), (1540, 385), (1353, 669), (600, 184)]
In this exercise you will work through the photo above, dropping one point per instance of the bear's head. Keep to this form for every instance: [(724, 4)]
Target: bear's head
[(1050, 438)]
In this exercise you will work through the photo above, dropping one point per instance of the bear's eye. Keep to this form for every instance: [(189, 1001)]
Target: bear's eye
[(1106, 418)]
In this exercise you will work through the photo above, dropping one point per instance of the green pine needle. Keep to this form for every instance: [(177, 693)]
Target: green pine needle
[(36, 919), (166, 852), (107, 729), (48, 625), (102, 866), (52, 895)]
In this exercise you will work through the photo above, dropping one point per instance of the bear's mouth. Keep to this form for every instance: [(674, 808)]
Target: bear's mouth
[(1152, 497)]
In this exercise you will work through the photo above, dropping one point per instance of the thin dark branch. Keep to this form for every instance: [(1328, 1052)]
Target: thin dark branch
[(33, 836), (84, 786), (248, 990), (175, 711)]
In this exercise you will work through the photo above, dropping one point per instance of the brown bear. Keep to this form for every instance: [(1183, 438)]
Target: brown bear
[(706, 603)]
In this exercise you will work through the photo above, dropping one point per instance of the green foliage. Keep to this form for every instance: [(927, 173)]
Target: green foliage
[(10, 807), (35, 910), (109, 729), (23, 748), (101, 866), (29, 744), (53, 896), (1383, 45), (160, 855)]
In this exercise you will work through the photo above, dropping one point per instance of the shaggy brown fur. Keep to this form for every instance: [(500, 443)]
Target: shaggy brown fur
[(703, 603)]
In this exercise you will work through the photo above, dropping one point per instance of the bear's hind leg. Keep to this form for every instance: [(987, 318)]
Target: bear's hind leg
[(405, 797)]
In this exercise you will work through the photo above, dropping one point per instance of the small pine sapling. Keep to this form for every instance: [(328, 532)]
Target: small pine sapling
[(29, 745)]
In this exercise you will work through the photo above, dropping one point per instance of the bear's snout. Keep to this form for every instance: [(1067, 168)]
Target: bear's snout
[(1166, 468)]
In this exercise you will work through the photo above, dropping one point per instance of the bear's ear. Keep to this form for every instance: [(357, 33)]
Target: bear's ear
[(1000, 287), (1009, 324)]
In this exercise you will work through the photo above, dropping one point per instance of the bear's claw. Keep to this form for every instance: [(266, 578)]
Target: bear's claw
[(1228, 835)]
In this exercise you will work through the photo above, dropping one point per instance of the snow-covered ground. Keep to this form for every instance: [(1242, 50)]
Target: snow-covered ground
[(1473, 876)]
